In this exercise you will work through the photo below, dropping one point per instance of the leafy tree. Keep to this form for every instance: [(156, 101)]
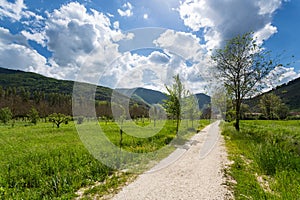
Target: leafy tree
[(58, 118), (191, 109), (173, 104), (272, 107), (25, 95), (33, 115), (242, 64), (156, 112), (221, 102), (5, 115)]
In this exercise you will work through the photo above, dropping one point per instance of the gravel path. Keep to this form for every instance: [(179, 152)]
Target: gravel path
[(196, 174)]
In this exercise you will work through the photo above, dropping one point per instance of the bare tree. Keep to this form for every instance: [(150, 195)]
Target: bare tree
[(242, 64)]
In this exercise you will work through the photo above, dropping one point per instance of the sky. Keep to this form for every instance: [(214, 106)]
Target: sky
[(142, 43)]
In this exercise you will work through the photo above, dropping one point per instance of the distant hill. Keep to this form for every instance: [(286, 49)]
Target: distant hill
[(289, 93), (21, 90), (147, 95), (35, 82), (155, 97), (52, 89), (203, 100)]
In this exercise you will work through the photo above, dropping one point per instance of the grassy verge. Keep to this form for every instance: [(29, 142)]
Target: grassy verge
[(266, 159), (44, 162)]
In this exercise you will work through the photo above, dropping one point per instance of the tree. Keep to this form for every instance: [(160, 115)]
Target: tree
[(33, 115), (272, 107), (191, 108), (242, 64), (173, 104), (156, 112), (58, 118), (221, 101), (5, 115)]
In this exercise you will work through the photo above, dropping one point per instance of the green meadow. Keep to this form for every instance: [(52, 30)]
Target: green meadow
[(45, 162), (265, 159)]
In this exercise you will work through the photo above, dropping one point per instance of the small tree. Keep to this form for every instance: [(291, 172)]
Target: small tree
[(241, 65), (272, 107), (191, 109), (33, 115), (58, 118), (5, 115), (173, 104)]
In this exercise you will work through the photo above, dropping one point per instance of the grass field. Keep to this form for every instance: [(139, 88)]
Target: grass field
[(266, 159), (45, 162)]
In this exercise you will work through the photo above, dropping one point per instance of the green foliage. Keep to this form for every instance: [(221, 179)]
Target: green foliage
[(241, 65), (33, 115), (58, 118), (47, 163), (272, 107), (266, 157), (190, 109), (5, 115), (174, 102)]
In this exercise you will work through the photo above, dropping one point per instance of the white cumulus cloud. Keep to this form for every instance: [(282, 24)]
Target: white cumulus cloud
[(16, 53), (221, 20), (16, 11), (127, 10)]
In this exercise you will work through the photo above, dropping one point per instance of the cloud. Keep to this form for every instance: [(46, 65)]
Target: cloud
[(278, 76), (128, 10), (157, 57), (16, 11), (153, 71), (265, 33), (184, 44), (16, 53), (38, 37), (222, 20), (76, 36)]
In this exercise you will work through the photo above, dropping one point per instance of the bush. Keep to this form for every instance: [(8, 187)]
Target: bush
[(33, 115), (58, 118), (5, 115)]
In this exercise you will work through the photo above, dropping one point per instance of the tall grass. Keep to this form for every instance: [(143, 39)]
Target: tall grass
[(45, 162), (266, 159)]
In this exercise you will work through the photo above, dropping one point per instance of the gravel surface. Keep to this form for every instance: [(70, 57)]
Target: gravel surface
[(196, 173)]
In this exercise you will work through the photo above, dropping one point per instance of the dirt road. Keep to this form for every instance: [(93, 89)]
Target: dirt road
[(196, 172)]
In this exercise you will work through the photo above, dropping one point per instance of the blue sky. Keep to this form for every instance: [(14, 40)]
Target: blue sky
[(141, 43)]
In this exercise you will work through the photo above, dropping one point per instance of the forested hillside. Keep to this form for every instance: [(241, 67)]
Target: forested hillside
[(289, 94), (20, 91)]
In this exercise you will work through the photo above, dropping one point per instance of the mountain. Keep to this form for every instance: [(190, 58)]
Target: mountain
[(147, 95), (155, 97), (28, 89), (289, 94), (20, 91), (203, 100), (35, 82)]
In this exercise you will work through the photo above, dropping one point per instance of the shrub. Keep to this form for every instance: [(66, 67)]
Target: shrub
[(5, 115)]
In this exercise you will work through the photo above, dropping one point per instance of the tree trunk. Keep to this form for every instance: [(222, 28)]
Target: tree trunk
[(237, 115), (121, 138), (177, 126)]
